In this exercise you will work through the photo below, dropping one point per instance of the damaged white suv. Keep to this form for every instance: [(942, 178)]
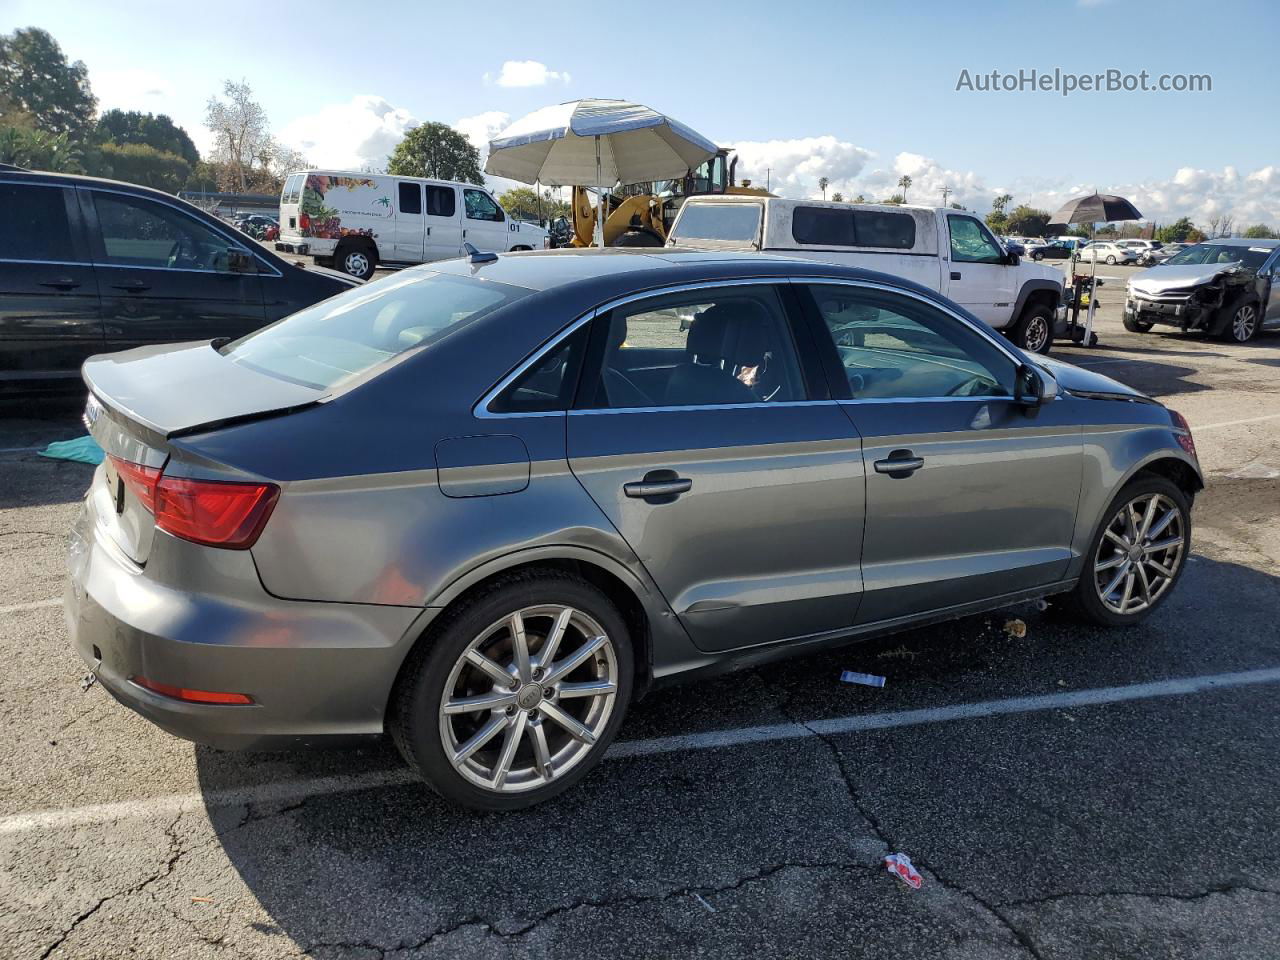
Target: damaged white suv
[(1226, 287)]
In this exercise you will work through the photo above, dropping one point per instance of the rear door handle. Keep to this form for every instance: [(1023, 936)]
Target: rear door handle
[(955, 274), (61, 283), (899, 464), (135, 286), (658, 486)]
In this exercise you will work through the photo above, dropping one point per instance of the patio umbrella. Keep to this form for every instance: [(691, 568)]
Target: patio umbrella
[(596, 142), (1093, 209)]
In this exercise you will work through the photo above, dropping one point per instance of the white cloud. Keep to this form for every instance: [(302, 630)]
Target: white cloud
[(132, 89), (526, 73), (350, 136), (482, 128), (792, 167)]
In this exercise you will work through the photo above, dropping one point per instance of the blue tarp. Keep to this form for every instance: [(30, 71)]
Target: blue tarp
[(82, 450)]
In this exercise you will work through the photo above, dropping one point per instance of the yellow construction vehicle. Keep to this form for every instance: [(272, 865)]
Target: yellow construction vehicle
[(641, 214)]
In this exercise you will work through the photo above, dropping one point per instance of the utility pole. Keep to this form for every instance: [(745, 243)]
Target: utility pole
[(946, 192), (768, 179)]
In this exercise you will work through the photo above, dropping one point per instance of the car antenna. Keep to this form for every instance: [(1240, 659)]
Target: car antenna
[(476, 256)]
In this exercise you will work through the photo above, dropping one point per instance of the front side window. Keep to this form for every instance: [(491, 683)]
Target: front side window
[(410, 198), (481, 206), (724, 222), (343, 337), (34, 224), (712, 347), (136, 232), (970, 243), (895, 347)]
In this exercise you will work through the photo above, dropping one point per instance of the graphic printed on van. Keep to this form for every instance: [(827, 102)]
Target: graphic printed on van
[(319, 219)]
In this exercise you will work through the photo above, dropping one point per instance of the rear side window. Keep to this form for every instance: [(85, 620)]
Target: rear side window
[(442, 201), (833, 227), (410, 198), (353, 332), (729, 222), (547, 385), (34, 223)]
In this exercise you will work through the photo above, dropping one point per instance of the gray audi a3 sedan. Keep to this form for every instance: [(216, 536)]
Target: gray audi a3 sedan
[(483, 505)]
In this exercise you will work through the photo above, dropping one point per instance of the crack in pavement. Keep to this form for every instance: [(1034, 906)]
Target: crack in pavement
[(1219, 890), (500, 929), (176, 853)]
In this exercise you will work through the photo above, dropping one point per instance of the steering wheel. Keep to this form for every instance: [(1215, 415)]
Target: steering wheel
[(183, 252), (966, 388)]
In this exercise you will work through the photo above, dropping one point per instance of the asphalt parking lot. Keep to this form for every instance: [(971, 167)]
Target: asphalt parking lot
[(1073, 793)]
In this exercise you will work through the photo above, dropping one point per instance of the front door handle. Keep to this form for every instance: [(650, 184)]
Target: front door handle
[(658, 486), (61, 283), (955, 274), (899, 464), (132, 286)]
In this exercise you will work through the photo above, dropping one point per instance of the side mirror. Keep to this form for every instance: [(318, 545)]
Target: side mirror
[(1012, 259), (239, 261), (1033, 388)]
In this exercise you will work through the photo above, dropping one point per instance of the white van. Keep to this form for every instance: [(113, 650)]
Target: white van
[(947, 250), (356, 221)]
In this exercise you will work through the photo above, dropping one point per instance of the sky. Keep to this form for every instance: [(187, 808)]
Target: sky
[(860, 93)]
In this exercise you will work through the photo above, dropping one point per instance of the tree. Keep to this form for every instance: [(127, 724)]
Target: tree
[(998, 221), (859, 199), (37, 80), (1176, 232), (38, 150), (438, 151), (140, 163), (905, 183), (241, 135), (838, 197), (823, 183), (1000, 202), (152, 130), (1195, 236), (1259, 231), (895, 199), (1027, 221), (523, 204)]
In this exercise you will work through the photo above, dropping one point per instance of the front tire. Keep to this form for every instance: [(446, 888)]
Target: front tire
[(1137, 553), (1034, 331), (1111, 260), (517, 694), (1037, 257), (1241, 321), (1137, 326)]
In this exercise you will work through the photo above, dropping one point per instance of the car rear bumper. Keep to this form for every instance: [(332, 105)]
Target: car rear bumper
[(318, 673)]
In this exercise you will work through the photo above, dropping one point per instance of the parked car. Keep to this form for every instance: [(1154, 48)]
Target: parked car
[(483, 506), (89, 265), (256, 225), (1107, 252), (1053, 250), (946, 250), (356, 221), (1227, 287)]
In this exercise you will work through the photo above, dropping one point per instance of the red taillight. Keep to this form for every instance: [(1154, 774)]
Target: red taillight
[(140, 480), (1182, 430), (216, 513), (192, 696)]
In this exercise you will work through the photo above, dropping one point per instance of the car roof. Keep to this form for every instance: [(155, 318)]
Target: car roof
[(73, 179), (1244, 242)]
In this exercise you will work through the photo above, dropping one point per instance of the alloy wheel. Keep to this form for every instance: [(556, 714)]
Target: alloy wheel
[(528, 698), (1243, 322), (1141, 550), (1036, 334)]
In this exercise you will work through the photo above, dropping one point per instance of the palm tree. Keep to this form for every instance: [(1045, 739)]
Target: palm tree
[(1000, 202), (838, 197), (823, 183), (904, 182)]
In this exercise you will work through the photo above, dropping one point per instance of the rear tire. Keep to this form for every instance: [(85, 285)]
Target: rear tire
[(1037, 257), (1111, 260), (1034, 330), (534, 751), (1121, 557), (358, 261)]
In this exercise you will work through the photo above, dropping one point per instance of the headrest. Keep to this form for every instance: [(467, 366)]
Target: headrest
[(736, 331)]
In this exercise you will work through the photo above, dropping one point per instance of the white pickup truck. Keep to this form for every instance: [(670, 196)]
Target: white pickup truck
[(356, 221), (947, 250)]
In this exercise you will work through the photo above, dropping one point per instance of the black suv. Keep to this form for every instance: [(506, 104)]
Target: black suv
[(89, 266)]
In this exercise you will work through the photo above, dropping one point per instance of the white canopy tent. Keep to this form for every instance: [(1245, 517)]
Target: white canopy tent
[(599, 143)]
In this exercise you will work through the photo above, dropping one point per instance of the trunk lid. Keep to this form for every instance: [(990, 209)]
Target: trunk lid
[(140, 399)]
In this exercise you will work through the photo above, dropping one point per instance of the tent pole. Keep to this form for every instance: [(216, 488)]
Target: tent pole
[(599, 195)]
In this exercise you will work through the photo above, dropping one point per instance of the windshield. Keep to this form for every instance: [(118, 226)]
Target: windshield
[(1209, 253), (731, 222), (353, 332)]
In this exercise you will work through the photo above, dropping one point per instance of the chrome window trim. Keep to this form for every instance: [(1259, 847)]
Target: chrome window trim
[(173, 206), (60, 263), (481, 409)]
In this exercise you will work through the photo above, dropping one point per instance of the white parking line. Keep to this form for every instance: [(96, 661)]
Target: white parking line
[(33, 605), (1232, 423), (20, 449), (76, 817)]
